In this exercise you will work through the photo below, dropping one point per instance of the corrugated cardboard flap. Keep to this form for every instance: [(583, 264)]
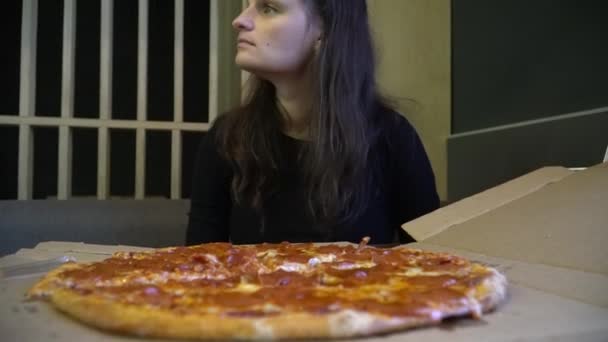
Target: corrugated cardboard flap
[(479, 204), (552, 216)]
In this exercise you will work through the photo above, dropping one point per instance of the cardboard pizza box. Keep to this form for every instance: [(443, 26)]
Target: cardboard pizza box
[(546, 231)]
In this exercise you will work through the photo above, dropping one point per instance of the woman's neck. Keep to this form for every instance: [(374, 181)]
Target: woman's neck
[(294, 100)]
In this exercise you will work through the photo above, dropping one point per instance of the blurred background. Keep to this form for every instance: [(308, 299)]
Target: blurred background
[(109, 99)]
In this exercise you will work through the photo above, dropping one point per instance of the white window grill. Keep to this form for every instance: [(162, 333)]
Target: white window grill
[(220, 12)]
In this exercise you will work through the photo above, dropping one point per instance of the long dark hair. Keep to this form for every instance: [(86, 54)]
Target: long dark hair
[(343, 122)]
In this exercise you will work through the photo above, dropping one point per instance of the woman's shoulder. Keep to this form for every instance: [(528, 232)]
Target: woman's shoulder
[(393, 127)]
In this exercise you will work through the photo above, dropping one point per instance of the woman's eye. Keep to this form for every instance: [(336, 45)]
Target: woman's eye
[(268, 9)]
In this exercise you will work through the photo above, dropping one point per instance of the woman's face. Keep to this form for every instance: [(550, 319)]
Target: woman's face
[(275, 36)]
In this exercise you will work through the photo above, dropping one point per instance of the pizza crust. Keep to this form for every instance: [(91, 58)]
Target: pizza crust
[(492, 291), (151, 322), (50, 282)]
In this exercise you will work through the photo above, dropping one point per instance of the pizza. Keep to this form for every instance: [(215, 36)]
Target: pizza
[(271, 291)]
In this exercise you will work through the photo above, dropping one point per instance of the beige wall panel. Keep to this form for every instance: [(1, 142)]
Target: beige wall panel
[(413, 43)]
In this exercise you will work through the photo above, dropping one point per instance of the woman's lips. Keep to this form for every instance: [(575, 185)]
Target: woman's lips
[(244, 42)]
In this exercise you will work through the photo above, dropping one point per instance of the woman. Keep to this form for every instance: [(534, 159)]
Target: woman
[(314, 154)]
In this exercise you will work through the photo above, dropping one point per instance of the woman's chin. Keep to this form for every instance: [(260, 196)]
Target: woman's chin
[(253, 69), (246, 65)]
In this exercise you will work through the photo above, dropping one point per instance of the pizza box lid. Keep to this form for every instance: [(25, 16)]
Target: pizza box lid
[(546, 231), (552, 216)]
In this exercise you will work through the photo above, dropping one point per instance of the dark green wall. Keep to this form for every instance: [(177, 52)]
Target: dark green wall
[(516, 60), (529, 89), (483, 159)]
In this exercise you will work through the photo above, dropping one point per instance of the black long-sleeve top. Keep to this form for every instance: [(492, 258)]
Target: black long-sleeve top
[(403, 181)]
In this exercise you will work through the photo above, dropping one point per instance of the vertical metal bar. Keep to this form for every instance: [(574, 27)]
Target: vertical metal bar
[(178, 100), (64, 164), (213, 58), (178, 54), (27, 96), (64, 174), (142, 80), (105, 59), (105, 97), (176, 164), (26, 162), (103, 163), (140, 163)]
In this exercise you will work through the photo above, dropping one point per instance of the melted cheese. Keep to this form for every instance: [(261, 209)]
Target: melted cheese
[(416, 271), (326, 257), (354, 265), (246, 288), (212, 258), (321, 258), (271, 253), (293, 267)]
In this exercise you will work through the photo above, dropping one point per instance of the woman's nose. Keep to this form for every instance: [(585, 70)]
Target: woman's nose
[(243, 22)]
